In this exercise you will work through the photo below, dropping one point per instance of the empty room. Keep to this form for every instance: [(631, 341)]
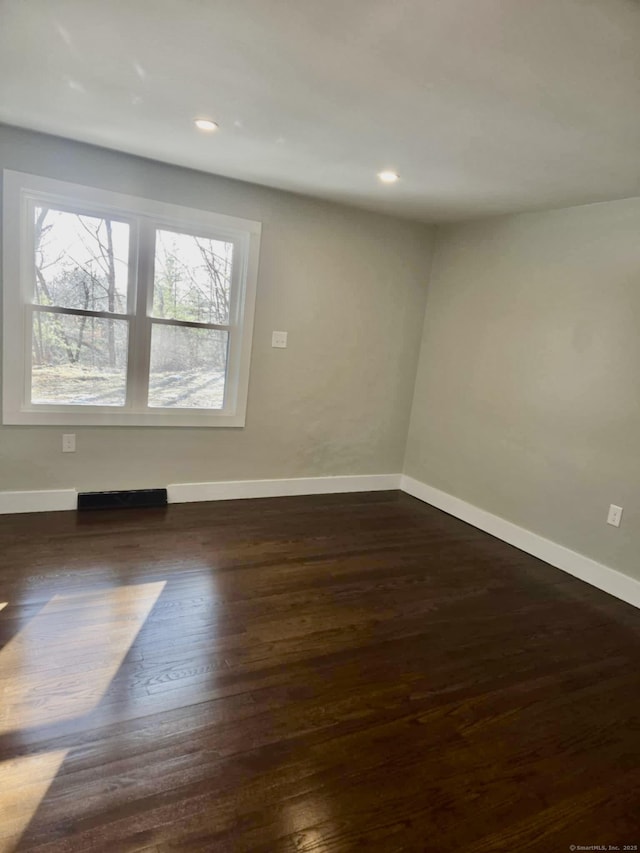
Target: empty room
[(320, 433)]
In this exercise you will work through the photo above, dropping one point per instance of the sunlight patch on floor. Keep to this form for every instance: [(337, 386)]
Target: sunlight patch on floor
[(25, 781), (60, 665), (3, 604)]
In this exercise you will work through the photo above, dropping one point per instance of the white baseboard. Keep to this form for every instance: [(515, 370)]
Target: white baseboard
[(236, 489), (41, 501), (598, 575)]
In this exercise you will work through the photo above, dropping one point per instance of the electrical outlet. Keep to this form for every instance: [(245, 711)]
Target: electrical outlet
[(69, 443), (279, 339), (615, 515)]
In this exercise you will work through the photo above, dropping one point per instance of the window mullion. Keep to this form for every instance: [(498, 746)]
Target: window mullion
[(190, 324), (140, 351), (79, 312)]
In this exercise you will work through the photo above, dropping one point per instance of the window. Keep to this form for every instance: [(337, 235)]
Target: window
[(122, 310)]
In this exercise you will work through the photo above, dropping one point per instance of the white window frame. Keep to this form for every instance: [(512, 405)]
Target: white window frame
[(21, 192)]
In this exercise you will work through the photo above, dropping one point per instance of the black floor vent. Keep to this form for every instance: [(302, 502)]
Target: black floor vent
[(119, 500)]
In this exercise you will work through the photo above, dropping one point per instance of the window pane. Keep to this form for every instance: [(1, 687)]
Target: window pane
[(79, 361), (188, 367), (80, 261), (192, 278)]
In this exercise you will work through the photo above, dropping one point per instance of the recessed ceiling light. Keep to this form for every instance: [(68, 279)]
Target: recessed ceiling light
[(205, 124), (388, 177)]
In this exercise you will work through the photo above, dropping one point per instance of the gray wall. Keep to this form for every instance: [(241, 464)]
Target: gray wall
[(527, 400), (348, 286)]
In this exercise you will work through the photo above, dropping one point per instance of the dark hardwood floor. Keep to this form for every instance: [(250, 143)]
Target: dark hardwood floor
[(330, 673)]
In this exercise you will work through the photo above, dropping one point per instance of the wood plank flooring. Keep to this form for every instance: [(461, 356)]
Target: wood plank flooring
[(311, 675)]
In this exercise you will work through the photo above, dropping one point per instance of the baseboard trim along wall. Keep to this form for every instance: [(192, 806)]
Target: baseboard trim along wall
[(67, 499), (603, 577), (238, 489), (609, 580), (49, 500)]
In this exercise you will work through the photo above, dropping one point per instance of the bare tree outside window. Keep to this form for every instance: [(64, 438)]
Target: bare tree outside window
[(192, 283), (81, 263)]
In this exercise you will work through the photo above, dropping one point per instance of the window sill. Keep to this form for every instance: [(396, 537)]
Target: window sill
[(162, 418)]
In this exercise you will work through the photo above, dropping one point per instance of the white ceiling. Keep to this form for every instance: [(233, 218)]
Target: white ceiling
[(483, 106)]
